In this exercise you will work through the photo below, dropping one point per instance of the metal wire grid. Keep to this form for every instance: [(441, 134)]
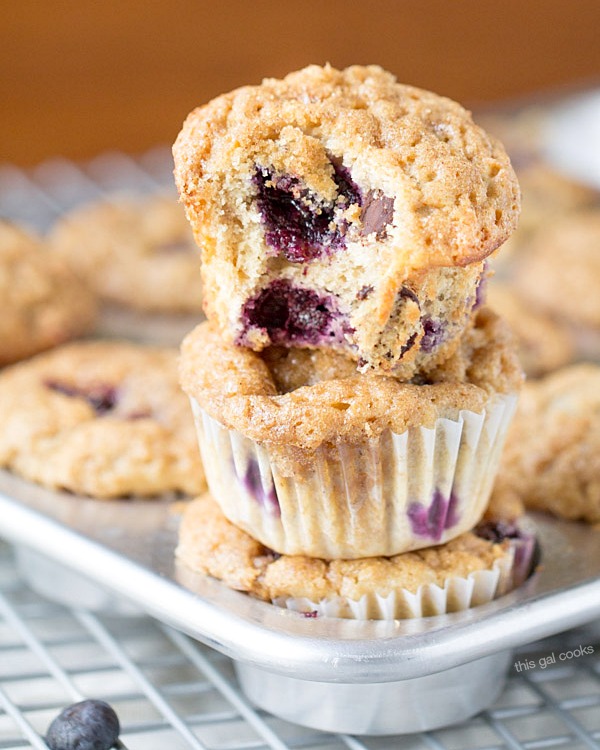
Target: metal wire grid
[(169, 691)]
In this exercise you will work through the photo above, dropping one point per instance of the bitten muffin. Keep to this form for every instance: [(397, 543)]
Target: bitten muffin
[(105, 419), (136, 252), (552, 455), (463, 573), (311, 458), (343, 210), (544, 345), (43, 302)]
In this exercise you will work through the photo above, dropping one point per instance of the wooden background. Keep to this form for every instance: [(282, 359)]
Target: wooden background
[(77, 78)]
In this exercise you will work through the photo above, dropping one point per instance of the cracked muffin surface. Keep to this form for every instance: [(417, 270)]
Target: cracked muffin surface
[(343, 192), (303, 398)]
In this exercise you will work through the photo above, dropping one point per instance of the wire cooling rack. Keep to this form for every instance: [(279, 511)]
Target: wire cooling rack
[(171, 692)]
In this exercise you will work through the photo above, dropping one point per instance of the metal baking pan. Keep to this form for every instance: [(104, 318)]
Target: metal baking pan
[(369, 677)]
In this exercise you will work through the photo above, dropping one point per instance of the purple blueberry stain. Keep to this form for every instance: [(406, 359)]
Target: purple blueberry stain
[(252, 482), (364, 292), (302, 227), (311, 615), (294, 315), (526, 548), (101, 397), (175, 247), (431, 522), (410, 342), (434, 333)]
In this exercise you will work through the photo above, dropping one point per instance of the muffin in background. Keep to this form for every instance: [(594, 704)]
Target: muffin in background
[(544, 345), (547, 196), (136, 252), (560, 275), (100, 418), (551, 460), (44, 303)]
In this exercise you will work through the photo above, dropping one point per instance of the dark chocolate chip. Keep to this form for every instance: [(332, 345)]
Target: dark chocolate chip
[(377, 213)]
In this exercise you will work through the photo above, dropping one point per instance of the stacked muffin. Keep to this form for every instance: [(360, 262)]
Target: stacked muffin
[(351, 395)]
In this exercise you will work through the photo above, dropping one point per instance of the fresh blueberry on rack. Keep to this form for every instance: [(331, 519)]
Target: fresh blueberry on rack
[(87, 725), (434, 333)]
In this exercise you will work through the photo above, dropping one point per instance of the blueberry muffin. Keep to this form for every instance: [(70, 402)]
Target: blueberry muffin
[(343, 210), (104, 419), (552, 456), (469, 570), (311, 458), (544, 345), (521, 131), (561, 272), (547, 195), (136, 252), (43, 302)]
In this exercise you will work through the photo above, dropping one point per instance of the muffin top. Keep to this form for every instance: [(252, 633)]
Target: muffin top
[(209, 543), (543, 344), (552, 455), (106, 419), (304, 398), (43, 302), (135, 251), (561, 270), (397, 164)]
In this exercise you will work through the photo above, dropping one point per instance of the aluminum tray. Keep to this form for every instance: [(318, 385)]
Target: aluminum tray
[(321, 672)]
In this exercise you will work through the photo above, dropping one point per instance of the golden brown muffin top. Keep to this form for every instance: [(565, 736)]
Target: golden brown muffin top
[(446, 189), (305, 398)]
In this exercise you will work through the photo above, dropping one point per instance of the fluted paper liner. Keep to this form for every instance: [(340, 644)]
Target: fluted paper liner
[(455, 595), (380, 497)]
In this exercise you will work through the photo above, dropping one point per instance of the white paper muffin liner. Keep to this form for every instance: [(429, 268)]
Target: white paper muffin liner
[(381, 497), (455, 595)]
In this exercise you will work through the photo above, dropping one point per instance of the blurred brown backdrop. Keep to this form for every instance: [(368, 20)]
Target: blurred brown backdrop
[(77, 78)]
